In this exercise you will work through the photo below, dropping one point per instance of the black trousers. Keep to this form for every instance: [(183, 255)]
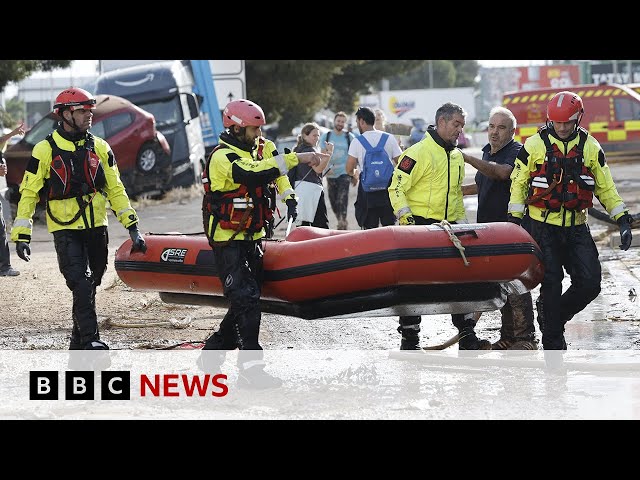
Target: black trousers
[(460, 320), (82, 259), (321, 220), (373, 209), (5, 259), (239, 267), (574, 249)]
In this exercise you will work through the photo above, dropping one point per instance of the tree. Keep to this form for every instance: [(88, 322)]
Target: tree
[(292, 91), (14, 112), (16, 70), (443, 73), (360, 77)]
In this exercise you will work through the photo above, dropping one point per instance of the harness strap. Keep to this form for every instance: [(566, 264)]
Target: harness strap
[(82, 206)]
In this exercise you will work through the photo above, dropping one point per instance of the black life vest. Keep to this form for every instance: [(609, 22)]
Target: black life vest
[(562, 180), (74, 174), (242, 209)]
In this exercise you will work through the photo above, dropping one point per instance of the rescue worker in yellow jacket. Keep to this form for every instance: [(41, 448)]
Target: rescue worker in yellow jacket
[(236, 208), (556, 175), (426, 188), (80, 173)]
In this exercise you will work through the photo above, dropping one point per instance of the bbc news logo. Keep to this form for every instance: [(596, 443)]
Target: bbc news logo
[(43, 385), (115, 385)]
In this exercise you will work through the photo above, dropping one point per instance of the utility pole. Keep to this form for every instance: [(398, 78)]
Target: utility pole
[(430, 73)]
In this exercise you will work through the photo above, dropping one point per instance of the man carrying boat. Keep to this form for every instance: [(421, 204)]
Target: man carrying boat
[(426, 188), (556, 175), (235, 212)]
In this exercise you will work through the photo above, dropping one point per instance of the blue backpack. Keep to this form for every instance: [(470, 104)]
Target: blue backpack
[(377, 167)]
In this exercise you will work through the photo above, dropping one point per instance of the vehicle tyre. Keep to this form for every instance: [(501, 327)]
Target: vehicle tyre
[(147, 158)]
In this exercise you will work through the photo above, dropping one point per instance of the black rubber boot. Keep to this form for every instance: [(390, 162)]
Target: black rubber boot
[(469, 341), (540, 311), (410, 337), (210, 361), (465, 324), (93, 355), (255, 378)]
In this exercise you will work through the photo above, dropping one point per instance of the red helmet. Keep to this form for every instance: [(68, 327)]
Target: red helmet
[(243, 113), (74, 99), (564, 107)]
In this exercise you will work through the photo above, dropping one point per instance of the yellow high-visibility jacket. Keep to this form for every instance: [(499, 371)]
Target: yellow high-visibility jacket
[(39, 170), (231, 167), (283, 184), (427, 182), (533, 154)]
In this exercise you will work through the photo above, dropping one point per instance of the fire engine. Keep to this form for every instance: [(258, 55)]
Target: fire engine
[(611, 115)]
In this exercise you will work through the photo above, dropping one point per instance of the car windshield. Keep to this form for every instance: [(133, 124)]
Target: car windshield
[(40, 130), (167, 112)]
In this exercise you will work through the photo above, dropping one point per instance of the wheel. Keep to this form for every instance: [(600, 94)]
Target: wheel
[(147, 158)]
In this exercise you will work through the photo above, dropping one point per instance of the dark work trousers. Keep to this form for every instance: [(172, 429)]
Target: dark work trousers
[(82, 259), (321, 220), (373, 209), (338, 190), (5, 259), (460, 320), (574, 249), (239, 267)]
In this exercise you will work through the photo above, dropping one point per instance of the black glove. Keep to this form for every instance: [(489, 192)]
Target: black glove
[(625, 222), (138, 244), (24, 250), (516, 220), (292, 209)]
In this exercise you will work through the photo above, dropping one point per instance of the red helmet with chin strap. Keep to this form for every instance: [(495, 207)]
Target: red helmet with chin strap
[(74, 99), (564, 107), (243, 113)]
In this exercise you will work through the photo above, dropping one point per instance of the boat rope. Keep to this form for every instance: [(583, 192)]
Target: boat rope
[(452, 341), (144, 323), (446, 226)]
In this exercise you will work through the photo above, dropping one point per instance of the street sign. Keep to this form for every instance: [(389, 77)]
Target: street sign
[(229, 89)]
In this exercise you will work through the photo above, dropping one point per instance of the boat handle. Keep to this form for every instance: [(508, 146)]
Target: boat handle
[(466, 232)]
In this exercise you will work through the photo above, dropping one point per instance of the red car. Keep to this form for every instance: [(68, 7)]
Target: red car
[(142, 153)]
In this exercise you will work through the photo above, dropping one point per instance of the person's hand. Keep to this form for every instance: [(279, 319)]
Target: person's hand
[(407, 219), (137, 241), (292, 209), (313, 159), (512, 219), (24, 250), (19, 130), (329, 148), (625, 222)]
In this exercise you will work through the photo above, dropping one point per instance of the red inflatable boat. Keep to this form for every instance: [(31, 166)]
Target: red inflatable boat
[(319, 273)]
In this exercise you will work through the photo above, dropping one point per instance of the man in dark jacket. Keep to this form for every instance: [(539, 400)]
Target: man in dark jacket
[(492, 184)]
